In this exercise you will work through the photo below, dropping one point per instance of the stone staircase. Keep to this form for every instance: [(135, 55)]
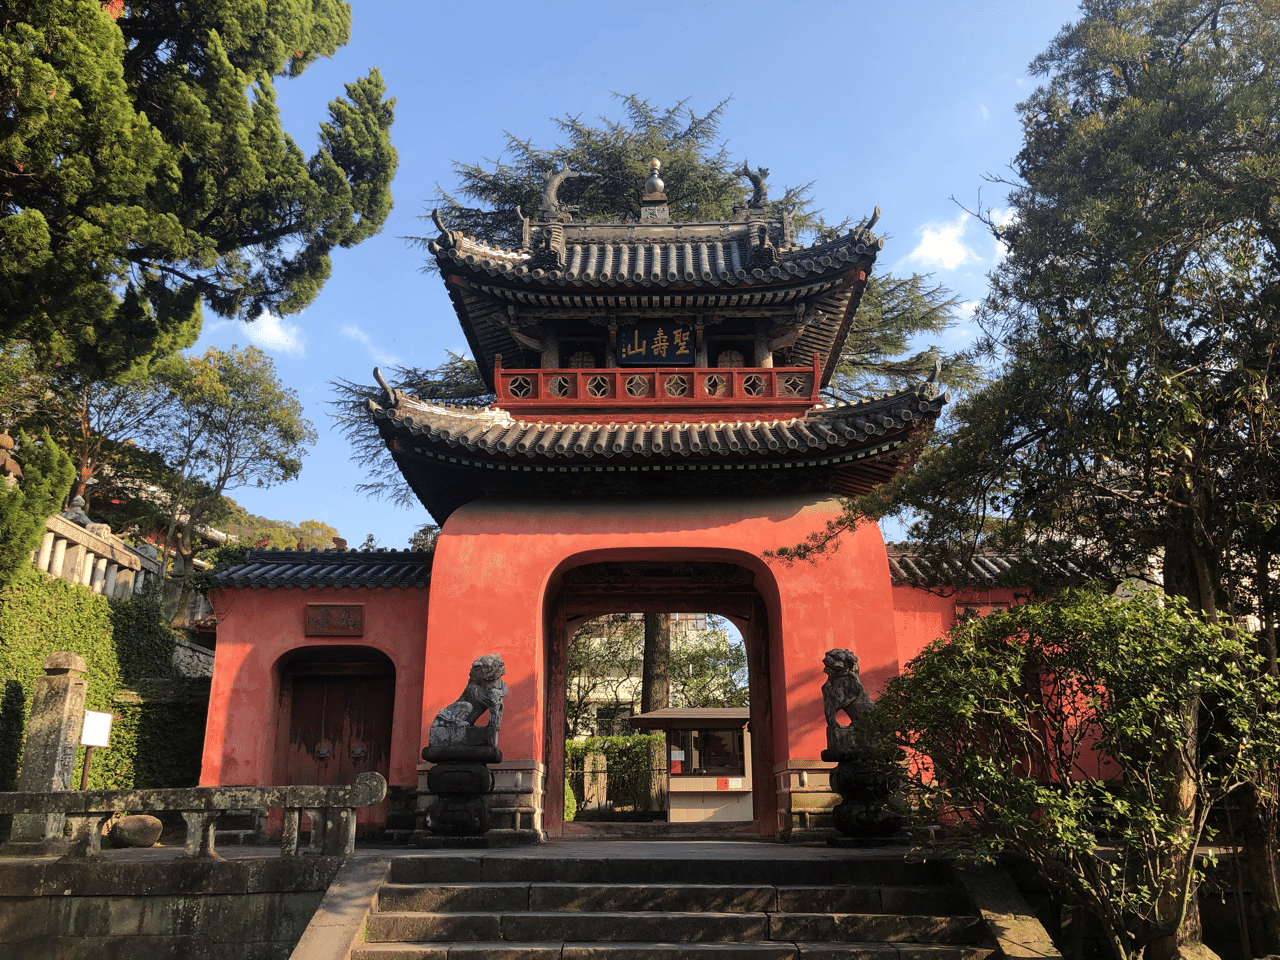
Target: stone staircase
[(870, 905)]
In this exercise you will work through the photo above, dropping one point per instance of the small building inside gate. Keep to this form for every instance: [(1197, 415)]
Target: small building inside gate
[(657, 429)]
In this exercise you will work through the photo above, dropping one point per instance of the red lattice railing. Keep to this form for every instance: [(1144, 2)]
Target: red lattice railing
[(649, 390)]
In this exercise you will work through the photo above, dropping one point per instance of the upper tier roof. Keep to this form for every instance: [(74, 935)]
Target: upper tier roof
[(751, 267)]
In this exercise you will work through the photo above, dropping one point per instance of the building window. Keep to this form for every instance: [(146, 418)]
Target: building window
[(706, 753), (582, 360), (612, 721)]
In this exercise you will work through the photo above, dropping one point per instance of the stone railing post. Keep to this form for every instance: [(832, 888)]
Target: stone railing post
[(53, 733)]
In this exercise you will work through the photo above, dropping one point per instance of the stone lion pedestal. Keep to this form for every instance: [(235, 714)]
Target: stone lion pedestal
[(462, 752), (866, 774)]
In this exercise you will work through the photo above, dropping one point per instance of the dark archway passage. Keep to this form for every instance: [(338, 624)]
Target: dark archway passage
[(597, 589)]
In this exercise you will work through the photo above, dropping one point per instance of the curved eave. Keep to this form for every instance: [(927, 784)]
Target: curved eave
[(449, 454)]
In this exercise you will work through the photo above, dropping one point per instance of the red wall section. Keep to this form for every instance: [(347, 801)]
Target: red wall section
[(256, 627), (921, 617), (498, 562)]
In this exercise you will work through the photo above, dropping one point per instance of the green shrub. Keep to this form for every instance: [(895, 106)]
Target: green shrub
[(570, 801), (630, 763), (1091, 737)]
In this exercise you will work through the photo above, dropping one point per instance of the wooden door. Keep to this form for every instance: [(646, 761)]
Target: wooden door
[(339, 726)]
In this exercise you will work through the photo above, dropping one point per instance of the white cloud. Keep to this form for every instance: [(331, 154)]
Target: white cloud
[(986, 114), (968, 308), (276, 335), (379, 355), (942, 246)]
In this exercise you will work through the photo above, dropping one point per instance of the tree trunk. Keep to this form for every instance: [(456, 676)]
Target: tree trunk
[(655, 686), (1258, 805), (1179, 802), (1185, 574)]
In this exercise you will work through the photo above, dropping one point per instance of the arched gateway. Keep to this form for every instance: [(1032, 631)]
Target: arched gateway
[(657, 428)]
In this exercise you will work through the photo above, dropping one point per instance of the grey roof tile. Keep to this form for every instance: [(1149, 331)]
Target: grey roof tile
[(329, 568)]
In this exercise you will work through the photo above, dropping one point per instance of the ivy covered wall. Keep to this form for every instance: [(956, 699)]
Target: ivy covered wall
[(158, 731)]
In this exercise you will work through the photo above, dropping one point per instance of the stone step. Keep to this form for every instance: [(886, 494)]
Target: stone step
[(888, 870), (518, 896), (546, 926), (560, 950), (706, 926), (937, 900)]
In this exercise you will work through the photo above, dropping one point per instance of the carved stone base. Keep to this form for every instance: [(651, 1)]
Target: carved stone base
[(459, 780), (865, 778)]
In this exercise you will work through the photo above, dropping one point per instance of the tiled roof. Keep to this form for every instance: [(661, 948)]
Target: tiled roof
[(680, 717), (662, 255), (495, 433), (908, 567), (328, 568), (453, 455)]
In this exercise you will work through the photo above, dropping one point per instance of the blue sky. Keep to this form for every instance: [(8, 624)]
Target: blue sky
[(902, 104)]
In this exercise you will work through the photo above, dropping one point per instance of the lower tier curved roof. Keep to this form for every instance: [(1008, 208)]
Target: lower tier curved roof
[(451, 455)]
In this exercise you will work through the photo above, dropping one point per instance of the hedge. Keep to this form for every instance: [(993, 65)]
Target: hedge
[(631, 764)]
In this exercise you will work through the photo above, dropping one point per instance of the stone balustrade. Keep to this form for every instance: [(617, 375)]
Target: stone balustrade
[(93, 556), (332, 812)]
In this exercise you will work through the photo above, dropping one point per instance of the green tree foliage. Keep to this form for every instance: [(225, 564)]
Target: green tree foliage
[(605, 662), (709, 669), (46, 477), (1133, 323), (696, 168), (232, 424), (144, 171), (1136, 312), (1057, 732), (250, 529), (456, 381), (701, 184), (606, 667)]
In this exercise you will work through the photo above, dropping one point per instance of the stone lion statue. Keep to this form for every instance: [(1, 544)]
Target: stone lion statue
[(843, 691), (455, 725)]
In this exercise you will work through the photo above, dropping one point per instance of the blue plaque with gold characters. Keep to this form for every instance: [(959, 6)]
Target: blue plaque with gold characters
[(656, 345)]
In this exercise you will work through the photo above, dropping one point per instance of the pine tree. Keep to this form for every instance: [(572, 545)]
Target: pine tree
[(46, 477), (144, 171)]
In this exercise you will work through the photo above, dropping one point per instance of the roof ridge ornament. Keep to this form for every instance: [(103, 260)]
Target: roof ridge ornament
[(653, 205), (760, 189), (552, 208), (449, 239), (393, 395)]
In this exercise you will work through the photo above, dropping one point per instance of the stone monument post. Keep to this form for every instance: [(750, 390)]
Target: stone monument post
[(53, 732)]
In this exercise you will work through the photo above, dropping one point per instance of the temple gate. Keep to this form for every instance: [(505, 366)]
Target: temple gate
[(657, 427)]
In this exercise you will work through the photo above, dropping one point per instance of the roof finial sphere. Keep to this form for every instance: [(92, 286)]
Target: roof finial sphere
[(654, 184)]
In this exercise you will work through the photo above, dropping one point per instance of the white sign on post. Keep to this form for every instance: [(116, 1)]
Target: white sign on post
[(97, 729)]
